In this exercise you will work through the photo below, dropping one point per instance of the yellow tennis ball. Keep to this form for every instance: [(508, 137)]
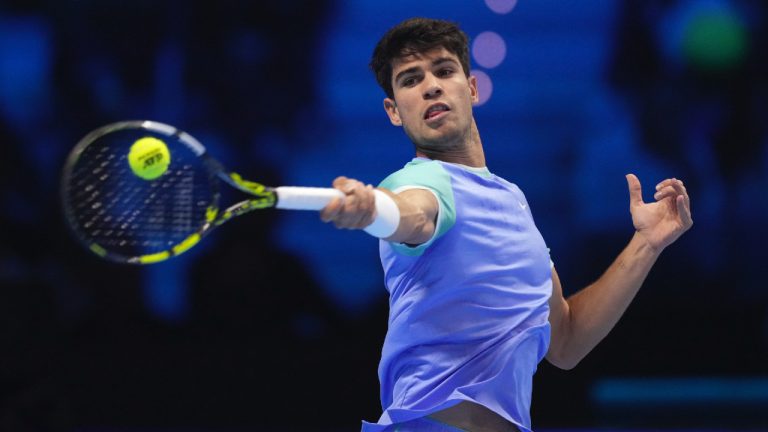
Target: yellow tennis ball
[(149, 158)]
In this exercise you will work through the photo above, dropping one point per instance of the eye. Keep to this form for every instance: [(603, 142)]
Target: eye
[(445, 72), (409, 81)]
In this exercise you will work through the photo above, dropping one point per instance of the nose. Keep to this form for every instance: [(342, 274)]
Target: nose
[(432, 87)]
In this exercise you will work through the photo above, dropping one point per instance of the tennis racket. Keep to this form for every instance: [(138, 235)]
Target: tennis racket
[(141, 192)]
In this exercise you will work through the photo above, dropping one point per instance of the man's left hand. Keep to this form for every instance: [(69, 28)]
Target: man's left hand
[(661, 222)]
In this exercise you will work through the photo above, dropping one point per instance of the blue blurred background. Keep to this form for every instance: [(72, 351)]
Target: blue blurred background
[(276, 321)]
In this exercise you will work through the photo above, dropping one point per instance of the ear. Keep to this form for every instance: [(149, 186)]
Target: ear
[(390, 106), (473, 89)]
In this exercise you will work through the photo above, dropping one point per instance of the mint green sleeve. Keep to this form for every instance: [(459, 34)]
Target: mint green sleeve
[(429, 175)]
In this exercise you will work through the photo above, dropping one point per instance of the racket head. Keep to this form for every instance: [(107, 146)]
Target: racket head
[(125, 218)]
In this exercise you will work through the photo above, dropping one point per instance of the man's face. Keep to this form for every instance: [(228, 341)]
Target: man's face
[(432, 99)]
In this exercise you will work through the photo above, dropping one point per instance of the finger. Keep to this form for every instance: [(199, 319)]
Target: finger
[(355, 220), (671, 188), (676, 183), (346, 216), (679, 186), (664, 183), (635, 190), (364, 206), (684, 210), (349, 186), (339, 182), (352, 186), (331, 211), (680, 189), (665, 192)]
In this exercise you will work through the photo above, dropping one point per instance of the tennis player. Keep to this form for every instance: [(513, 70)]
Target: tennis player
[(475, 300)]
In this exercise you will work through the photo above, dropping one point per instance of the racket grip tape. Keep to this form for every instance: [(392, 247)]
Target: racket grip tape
[(310, 198)]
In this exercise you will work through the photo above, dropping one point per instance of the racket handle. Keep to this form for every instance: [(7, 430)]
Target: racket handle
[(311, 198), (305, 198)]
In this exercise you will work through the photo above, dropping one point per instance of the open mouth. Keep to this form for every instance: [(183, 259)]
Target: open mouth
[(436, 110)]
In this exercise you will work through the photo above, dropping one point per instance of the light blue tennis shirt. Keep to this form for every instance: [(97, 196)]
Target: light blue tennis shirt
[(468, 317)]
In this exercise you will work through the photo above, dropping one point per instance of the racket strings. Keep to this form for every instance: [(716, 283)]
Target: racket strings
[(130, 216)]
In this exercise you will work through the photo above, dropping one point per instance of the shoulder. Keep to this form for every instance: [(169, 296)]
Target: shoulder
[(425, 174), (419, 172)]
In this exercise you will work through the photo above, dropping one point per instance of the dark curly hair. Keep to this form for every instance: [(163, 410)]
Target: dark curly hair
[(416, 36)]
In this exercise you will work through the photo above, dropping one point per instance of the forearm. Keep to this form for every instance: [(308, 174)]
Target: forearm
[(417, 208), (583, 320), (595, 310)]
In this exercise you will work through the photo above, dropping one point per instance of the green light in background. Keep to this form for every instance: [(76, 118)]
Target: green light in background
[(715, 40)]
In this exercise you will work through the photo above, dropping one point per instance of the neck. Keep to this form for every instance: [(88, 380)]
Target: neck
[(469, 154)]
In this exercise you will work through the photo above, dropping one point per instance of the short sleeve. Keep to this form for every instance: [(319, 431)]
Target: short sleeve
[(431, 176)]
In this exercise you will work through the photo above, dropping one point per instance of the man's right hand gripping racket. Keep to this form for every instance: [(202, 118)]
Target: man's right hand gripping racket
[(141, 192)]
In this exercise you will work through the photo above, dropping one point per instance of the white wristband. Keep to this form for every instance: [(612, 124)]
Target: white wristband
[(387, 216)]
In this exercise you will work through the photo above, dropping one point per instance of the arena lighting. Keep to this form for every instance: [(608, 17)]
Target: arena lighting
[(634, 392), (489, 49), (715, 39), (708, 35), (501, 7)]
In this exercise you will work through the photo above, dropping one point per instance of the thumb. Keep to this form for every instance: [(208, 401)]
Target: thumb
[(635, 191), (339, 182)]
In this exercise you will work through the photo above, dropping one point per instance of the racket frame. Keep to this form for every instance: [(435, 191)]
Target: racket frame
[(284, 197), (264, 197)]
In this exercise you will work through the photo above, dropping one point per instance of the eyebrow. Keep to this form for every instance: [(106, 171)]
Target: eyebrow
[(436, 62)]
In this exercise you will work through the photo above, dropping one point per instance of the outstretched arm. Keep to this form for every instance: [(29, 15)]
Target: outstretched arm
[(418, 210), (584, 319)]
